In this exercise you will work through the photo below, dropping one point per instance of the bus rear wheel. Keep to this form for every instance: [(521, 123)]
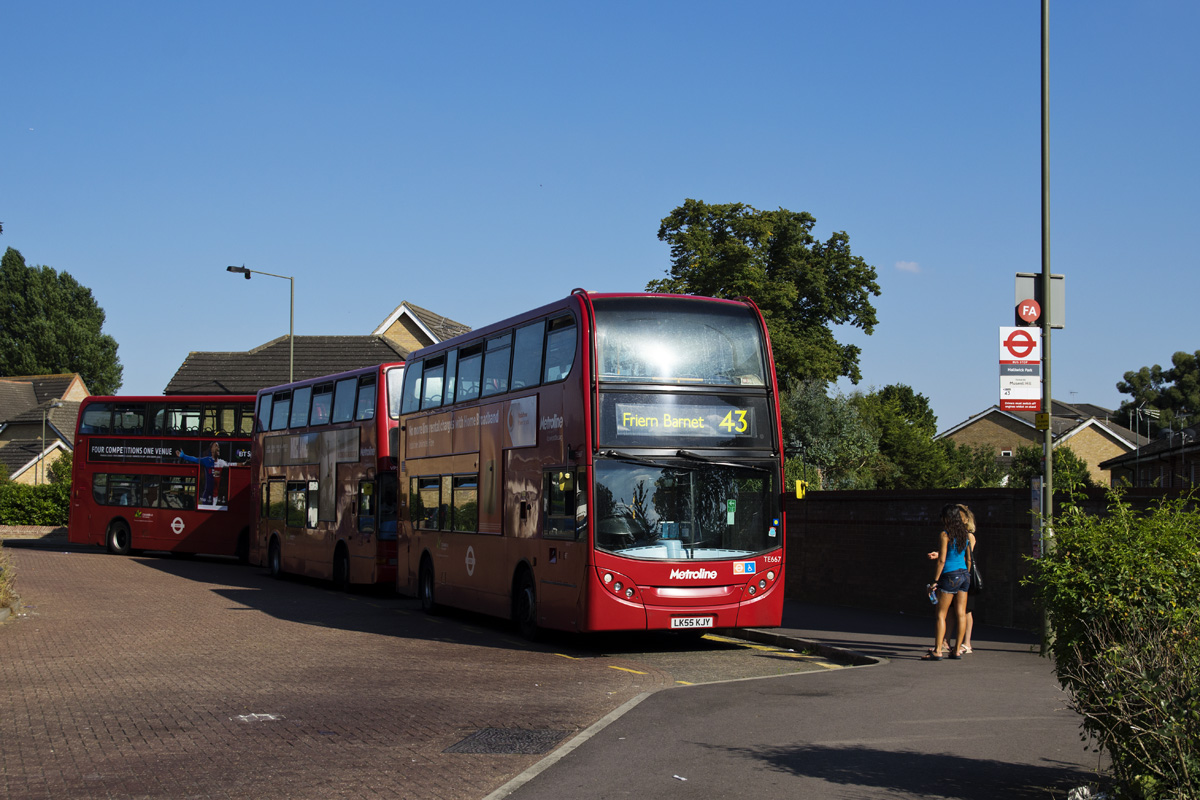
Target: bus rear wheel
[(524, 606), (425, 588), (118, 538), (274, 559)]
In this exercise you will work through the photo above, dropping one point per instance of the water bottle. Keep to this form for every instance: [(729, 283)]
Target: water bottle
[(933, 593)]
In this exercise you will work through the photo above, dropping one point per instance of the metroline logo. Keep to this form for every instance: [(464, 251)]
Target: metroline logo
[(693, 574)]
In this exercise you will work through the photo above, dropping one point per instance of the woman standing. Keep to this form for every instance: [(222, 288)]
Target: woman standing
[(952, 579)]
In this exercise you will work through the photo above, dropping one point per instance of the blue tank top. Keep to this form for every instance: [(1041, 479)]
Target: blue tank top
[(955, 559)]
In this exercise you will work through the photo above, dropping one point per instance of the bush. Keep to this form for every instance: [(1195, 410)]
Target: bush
[(47, 504), (8, 593), (1120, 590)]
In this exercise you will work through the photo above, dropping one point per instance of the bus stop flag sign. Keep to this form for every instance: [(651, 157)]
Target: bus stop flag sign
[(1020, 369)]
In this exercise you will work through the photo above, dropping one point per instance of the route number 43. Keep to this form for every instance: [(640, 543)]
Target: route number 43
[(735, 421)]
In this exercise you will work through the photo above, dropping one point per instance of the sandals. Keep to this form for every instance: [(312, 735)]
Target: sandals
[(955, 656), (930, 655), (966, 649)]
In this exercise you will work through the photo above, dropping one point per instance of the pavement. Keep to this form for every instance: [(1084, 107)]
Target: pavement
[(127, 677), (994, 724)]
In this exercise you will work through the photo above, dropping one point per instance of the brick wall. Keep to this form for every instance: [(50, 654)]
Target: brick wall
[(868, 549)]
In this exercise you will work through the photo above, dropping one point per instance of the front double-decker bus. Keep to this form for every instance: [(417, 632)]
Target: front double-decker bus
[(606, 462), (324, 471), (168, 473)]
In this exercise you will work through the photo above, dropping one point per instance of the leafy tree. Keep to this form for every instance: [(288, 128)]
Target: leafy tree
[(1070, 471), (905, 426), (827, 441), (972, 467), (803, 286), (50, 324), (1175, 391), (60, 470)]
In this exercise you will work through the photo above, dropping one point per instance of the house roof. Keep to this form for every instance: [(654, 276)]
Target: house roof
[(19, 455), (1169, 443), (16, 397), (46, 387), (438, 328), (1066, 420), (60, 420), (267, 364)]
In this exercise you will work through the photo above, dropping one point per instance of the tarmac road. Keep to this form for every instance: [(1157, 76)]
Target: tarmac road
[(158, 677), (162, 677)]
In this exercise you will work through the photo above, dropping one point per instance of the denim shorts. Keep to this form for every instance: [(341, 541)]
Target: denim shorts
[(954, 582)]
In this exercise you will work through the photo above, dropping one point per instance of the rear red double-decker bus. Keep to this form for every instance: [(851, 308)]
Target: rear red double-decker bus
[(606, 462), (324, 469), (166, 473)]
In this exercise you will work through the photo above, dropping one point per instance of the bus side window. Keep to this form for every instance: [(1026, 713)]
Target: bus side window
[(264, 412), (412, 387), (496, 363), (97, 418), (343, 399), (470, 366), (427, 503), (560, 349), (434, 377), (275, 500), (366, 506), (465, 502), (322, 404), (281, 410), (366, 398), (300, 399), (527, 355), (558, 497)]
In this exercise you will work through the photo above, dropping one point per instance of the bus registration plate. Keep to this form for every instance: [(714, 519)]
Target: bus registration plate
[(691, 622)]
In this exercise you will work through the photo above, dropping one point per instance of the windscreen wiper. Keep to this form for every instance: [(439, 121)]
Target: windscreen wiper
[(705, 459)]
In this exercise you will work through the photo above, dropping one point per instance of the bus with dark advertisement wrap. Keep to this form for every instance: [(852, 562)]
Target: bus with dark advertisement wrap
[(324, 472), (605, 462), (167, 473)]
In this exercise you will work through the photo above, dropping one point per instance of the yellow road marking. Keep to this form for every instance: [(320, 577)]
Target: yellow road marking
[(626, 669)]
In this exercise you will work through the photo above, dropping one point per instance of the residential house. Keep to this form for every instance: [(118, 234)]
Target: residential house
[(406, 329), (37, 422), (1087, 429), (1167, 461)]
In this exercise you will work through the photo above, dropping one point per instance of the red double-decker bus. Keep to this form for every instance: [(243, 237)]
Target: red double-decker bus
[(164, 473), (325, 470), (605, 462)]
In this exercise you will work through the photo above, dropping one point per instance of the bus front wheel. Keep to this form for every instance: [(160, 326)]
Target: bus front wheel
[(425, 589), (118, 538), (274, 559), (525, 606)]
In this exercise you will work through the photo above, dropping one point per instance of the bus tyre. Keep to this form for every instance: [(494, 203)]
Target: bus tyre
[(525, 606), (425, 587), (274, 559), (341, 570), (118, 538)]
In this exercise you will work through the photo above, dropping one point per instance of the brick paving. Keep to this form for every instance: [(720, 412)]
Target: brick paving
[(161, 677)]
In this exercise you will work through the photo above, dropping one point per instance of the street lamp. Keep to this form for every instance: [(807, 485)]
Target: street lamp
[(42, 455), (291, 311)]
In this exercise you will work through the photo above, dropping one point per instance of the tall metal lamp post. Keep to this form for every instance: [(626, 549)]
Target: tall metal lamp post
[(42, 455), (291, 311)]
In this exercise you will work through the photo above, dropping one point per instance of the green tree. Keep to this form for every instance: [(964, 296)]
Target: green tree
[(827, 442), (50, 324), (60, 470), (904, 425), (972, 467), (1070, 471), (804, 287), (1175, 392)]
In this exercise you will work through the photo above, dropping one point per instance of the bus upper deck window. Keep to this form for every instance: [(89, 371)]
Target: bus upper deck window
[(281, 410), (527, 355), (322, 404), (560, 349), (343, 399), (470, 368), (366, 398), (300, 400), (412, 387), (496, 363), (433, 381)]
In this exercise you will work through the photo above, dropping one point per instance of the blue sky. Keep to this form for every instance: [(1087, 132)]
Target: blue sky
[(480, 159)]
